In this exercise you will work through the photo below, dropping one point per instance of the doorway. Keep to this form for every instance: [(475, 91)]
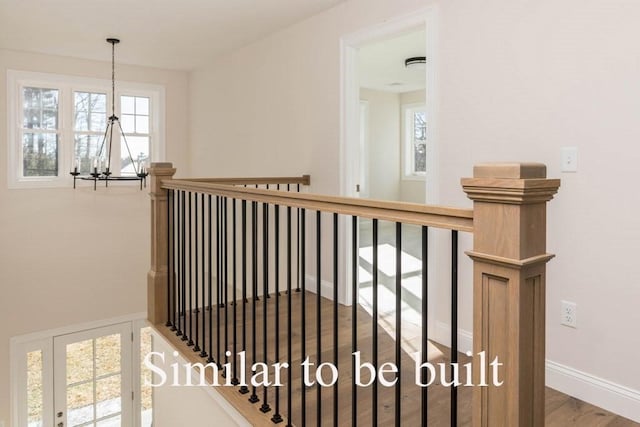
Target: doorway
[(388, 147), (83, 375), (92, 377)]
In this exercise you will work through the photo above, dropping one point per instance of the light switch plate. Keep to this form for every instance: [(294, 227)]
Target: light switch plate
[(569, 159)]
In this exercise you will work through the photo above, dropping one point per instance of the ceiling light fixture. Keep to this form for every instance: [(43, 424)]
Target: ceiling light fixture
[(415, 62), (103, 159)]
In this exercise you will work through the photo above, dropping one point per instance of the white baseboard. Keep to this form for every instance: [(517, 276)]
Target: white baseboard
[(605, 394), (443, 336), (326, 287)]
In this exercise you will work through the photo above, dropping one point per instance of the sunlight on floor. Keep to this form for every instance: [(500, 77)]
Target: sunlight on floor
[(387, 260), (411, 287)]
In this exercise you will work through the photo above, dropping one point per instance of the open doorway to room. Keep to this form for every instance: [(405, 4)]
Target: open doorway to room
[(392, 159), (389, 153), (393, 124)]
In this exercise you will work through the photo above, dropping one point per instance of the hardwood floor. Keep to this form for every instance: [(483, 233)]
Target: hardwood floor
[(561, 410)]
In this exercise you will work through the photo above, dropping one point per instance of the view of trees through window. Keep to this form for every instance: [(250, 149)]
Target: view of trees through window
[(419, 142), (42, 129), (40, 132), (90, 121)]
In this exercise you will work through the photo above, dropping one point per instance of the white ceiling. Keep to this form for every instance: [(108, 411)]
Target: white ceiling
[(173, 34), (381, 64)]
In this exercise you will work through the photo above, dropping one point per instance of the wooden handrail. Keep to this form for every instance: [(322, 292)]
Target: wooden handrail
[(509, 257), (408, 213), (303, 180)]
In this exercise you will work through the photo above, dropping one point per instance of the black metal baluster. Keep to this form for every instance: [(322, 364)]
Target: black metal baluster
[(234, 380), (277, 418), (218, 280), (243, 388), (265, 292), (254, 285), (174, 261), (354, 317), (299, 227), (454, 324), (398, 385), (424, 407), (289, 326), (210, 359), (196, 347), (335, 315), (183, 332), (225, 256), (203, 353), (169, 324), (303, 332), (318, 312), (374, 322), (190, 235)]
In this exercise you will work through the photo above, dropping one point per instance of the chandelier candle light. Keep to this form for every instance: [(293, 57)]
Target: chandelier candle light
[(98, 173)]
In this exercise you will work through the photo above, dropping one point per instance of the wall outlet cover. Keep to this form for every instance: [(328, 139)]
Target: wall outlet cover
[(568, 314)]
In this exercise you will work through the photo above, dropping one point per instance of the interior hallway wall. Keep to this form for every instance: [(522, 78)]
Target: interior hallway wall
[(517, 81), (68, 256), (383, 155)]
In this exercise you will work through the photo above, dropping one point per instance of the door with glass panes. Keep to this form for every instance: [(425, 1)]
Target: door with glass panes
[(92, 377)]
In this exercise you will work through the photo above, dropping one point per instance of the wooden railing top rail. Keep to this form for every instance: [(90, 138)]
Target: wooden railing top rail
[(302, 180), (408, 213)]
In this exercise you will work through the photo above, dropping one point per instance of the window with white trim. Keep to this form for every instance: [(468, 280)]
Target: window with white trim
[(415, 141), (135, 125), (57, 123), (89, 123), (39, 132)]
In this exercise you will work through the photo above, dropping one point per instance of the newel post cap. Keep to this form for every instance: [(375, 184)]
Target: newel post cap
[(510, 183), (510, 170), (161, 168)]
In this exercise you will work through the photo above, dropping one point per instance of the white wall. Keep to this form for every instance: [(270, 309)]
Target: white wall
[(517, 80), (383, 144), (68, 256)]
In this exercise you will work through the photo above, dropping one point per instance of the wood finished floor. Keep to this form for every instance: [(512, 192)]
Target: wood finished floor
[(561, 410)]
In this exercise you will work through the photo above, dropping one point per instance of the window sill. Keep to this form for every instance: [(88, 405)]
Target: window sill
[(416, 178)]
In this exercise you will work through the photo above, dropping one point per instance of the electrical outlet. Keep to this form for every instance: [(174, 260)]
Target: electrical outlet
[(568, 314)]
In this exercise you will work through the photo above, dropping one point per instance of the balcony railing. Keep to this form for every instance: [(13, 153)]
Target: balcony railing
[(238, 271)]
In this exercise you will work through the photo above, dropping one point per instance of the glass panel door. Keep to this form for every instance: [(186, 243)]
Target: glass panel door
[(92, 375)]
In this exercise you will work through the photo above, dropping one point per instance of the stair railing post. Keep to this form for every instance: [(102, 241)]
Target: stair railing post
[(157, 278), (509, 255)]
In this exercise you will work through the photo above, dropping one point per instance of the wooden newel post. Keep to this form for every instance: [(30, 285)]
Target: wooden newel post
[(157, 298), (509, 254)]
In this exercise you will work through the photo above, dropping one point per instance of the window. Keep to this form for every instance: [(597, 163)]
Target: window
[(89, 124), (39, 132), (135, 125), (35, 385), (58, 123), (415, 141)]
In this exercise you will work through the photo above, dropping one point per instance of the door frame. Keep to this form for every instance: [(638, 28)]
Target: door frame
[(43, 340), (350, 133), (60, 343)]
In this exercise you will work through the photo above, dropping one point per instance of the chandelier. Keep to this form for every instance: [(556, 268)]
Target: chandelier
[(101, 170)]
